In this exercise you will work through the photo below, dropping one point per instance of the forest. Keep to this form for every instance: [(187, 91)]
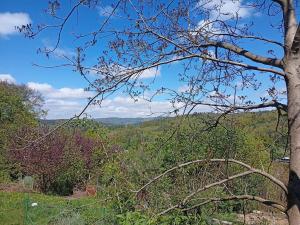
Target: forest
[(121, 160)]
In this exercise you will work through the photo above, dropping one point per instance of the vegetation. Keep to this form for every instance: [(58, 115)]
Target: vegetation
[(49, 209), (62, 161), (19, 107), (225, 60), (116, 161), (18, 208)]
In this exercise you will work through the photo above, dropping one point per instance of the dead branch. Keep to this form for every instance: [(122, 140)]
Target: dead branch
[(183, 202), (266, 202), (253, 170)]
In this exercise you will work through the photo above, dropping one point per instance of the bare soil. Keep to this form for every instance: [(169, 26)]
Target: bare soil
[(77, 195), (14, 187), (259, 217)]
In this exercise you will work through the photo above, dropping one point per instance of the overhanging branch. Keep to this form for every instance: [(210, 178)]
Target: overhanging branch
[(206, 57), (231, 108), (251, 169), (182, 203), (243, 52)]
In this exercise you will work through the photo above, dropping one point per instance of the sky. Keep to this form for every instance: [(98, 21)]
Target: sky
[(62, 88)]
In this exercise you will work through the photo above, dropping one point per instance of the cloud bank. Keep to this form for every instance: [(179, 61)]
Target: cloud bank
[(63, 103), (9, 21), (7, 78)]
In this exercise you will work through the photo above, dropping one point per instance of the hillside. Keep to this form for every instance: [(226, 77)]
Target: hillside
[(110, 121)]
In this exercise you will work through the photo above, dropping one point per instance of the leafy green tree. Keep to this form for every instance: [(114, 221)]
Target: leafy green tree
[(20, 107)]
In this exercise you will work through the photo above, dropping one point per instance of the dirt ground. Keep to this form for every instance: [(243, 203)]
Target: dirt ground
[(14, 187), (258, 217), (17, 187), (77, 195)]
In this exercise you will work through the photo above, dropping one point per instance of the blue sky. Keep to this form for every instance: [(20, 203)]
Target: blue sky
[(63, 89)]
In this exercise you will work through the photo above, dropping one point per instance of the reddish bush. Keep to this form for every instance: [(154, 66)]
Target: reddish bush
[(59, 161)]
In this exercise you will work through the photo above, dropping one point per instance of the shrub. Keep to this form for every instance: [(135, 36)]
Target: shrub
[(60, 161)]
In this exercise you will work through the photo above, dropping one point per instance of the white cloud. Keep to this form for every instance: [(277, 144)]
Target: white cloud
[(62, 93), (7, 78), (208, 27), (118, 70), (9, 22), (62, 52), (59, 52), (121, 106), (149, 73), (225, 9), (219, 10), (105, 11), (183, 88), (118, 106), (63, 103), (41, 87)]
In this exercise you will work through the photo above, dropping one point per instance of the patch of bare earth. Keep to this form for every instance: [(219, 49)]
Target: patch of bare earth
[(14, 187), (77, 195), (256, 218)]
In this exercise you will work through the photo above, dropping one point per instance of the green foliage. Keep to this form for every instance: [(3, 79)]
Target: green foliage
[(156, 146), (19, 107), (134, 218), (128, 157), (68, 219), (51, 210)]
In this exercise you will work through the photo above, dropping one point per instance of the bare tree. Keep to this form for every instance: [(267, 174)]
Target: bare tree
[(218, 47)]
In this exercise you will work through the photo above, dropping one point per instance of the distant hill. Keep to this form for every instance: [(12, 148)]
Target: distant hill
[(123, 121), (111, 121), (260, 119), (53, 122)]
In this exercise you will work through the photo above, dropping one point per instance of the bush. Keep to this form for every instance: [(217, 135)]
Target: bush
[(60, 161)]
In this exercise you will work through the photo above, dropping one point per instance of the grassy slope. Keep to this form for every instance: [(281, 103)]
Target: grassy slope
[(50, 209), (53, 210)]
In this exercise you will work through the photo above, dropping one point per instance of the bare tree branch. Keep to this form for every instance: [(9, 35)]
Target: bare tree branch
[(63, 24), (266, 202), (231, 108), (182, 203), (250, 37), (206, 57), (199, 161), (243, 52)]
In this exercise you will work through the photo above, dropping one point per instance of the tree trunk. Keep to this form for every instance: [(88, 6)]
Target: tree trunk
[(293, 90)]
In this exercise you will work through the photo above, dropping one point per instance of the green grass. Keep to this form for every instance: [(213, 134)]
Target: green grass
[(54, 210), (49, 210)]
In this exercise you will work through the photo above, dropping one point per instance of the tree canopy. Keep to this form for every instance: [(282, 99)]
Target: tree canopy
[(19, 107)]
